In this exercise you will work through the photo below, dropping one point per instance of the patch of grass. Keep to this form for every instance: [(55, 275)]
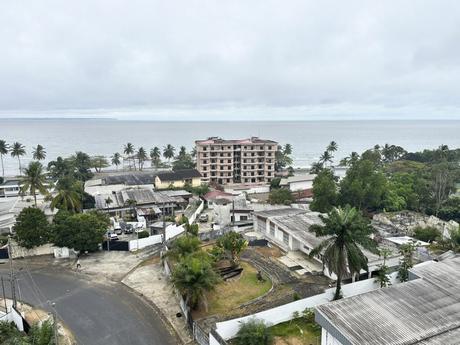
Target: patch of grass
[(297, 331), (231, 294)]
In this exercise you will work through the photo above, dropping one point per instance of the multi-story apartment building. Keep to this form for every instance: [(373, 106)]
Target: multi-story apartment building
[(236, 161)]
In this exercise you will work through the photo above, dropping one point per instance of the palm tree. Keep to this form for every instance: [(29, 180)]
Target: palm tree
[(346, 231), (182, 152), (326, 157), (168, 152), (348, 161), (69, 194), (108, 201), (332, 147), (34, 180), (18, 150), (4, 148), (316, 168), (287, 149), (39, 153), (155, 156), (193, 153), (141, 157), (116, 159), (129, 150), (193, 277)]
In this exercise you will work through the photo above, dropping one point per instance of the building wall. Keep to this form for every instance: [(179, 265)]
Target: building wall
[(227, 162), (301, 185), (328, 339), (195, 182)]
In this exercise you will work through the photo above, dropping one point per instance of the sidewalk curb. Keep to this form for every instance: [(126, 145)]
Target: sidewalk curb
[(163, 317)]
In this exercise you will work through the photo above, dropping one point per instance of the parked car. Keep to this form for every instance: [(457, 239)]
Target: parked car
[(128, 229), (203, 218), (112, 236), (118, 231)]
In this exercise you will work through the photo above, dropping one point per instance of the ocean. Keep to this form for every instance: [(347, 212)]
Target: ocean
[(308, 138)]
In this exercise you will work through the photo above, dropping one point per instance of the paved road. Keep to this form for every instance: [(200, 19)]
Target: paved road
[(97, 313)]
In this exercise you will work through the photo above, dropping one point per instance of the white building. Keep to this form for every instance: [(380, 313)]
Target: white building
[(298, 182), (10, 188)]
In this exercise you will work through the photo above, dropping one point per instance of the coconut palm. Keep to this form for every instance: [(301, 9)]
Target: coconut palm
[(129, 150), (68, 195), (116, 159), (332, 147), (141, 157), (155, 155), (4, 148), (108, 201), (350, 160), (326, 157), (316, 168), (168, 152), (182, 152), (346, 231), (287, 149), (193, 153), (193, 277), (18, 150), (34, 180), (39, 153)]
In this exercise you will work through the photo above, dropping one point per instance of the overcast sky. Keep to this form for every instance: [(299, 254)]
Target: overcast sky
[(223, 60)]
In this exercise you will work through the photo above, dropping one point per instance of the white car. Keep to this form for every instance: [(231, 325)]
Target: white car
[(112, 236)]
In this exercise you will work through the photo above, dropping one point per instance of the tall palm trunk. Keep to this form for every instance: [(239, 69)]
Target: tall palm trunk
[(19, 162), (3, 168), (338, 289)]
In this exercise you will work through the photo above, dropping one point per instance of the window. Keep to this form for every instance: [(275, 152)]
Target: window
[(285, 238), (243, 217)]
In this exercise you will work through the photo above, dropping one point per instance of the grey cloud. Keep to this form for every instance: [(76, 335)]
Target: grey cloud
[(189, 59)]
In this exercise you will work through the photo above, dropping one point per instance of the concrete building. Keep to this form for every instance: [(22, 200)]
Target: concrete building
[(288, 228), (298, 182), (178, 179), (10, 188), (236, 161), (424, 311)]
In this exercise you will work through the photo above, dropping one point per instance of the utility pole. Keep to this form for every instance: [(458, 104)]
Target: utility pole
[(4, 296), (55, 328), (12, 277)]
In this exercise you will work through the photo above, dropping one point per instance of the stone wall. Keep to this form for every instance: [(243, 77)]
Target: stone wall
[(403, 223)]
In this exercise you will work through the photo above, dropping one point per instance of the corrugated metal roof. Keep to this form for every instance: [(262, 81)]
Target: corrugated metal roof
[(423, 311)]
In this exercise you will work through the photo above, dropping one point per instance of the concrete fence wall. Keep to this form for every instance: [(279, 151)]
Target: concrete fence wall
[(13, 316), (145, 242), (195, 214), (229, 329), (173, 231)]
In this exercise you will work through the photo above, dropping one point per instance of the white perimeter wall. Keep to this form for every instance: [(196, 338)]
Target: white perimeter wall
[(327, 339), (228, 329)]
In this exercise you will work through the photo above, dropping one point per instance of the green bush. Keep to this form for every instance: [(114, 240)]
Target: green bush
[(280, 196), (254, 332), (428, 234), (143, 234)]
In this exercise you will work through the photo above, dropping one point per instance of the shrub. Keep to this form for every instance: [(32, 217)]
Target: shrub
[(280, 196), (143, 234), (428, 234), (254, 332)]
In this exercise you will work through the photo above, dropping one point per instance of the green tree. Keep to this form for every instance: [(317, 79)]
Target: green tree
[(32, 228), (183, 162), (60, 167), (68, 195), (350, 160), (450, 209), (34, 180), (406, 262), (81, 231), (128, 150), (282, 157), (155, 156), (254, 332), (232, 244), (42, 334), (426, 234), (182, 247), (326, 158), (382, 277), (116, 159), (4, 149), (364, 186), (39, 153), (81, 163), (347, 232), (280, 197), (99, 163), (391, 153), (332, 147), (324, 192), (141, 156), (193, 276), (18, 150), (168, 152)]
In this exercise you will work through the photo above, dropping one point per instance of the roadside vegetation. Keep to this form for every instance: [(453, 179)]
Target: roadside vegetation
[(38, 334)]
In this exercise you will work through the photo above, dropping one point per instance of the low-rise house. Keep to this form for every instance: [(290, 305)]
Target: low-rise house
[(288, 228), (298, 182), (424, 311), (178, 179), (116, 182), (217, 197), (10, 188)]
